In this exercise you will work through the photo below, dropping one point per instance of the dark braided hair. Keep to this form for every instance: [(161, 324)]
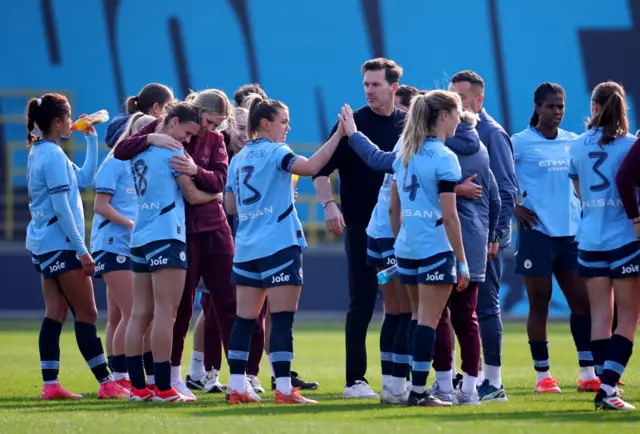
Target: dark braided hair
[(540, 95)]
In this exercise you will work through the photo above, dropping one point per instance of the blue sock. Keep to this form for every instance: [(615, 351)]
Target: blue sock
[(424, 340), (281, 343), (136, 372), (239, 343), (581, 332), (540, 355), (119, 364), (618, 354), (401, 355), (90, 346), (411, 331), (147, 359), (162, 375), (599, 351), (49, 346), (387, 338)]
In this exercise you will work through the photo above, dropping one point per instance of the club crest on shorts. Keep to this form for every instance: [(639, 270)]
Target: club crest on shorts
[(528, 264), (183, 256), (120, 259)]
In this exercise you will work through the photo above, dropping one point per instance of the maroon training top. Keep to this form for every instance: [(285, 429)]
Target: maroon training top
[(210, 155), (628, 179)]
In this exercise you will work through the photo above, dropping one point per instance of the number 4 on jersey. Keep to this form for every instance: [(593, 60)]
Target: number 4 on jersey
[(411, 188)]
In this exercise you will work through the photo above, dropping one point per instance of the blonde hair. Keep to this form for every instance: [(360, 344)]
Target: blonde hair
[(239, 111), (422, 119), (212, 101), (470, 118), (136, 122)]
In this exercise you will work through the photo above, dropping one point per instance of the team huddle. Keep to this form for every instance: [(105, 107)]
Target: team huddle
[(201, 189)]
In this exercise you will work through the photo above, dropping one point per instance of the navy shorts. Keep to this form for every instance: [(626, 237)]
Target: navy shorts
[(158, 255), (538, 254), (619, 263), (107, 262), (55, 263), (281, 268), (438, 269), (380, 252)]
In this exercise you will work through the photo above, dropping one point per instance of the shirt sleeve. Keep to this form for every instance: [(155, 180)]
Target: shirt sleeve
[(107, 176), (230, 187), (175, 153), (284, 158), (57, 175), (517, 149), (573, 167), (449, 168)]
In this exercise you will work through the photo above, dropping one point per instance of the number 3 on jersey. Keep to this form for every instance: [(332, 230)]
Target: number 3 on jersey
[(255, 196), (411, 188), (600, 158)]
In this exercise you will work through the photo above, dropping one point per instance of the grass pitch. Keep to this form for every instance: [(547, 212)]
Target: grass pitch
[(319, 356)]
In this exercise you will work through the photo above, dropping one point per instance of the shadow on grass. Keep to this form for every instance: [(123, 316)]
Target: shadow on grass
[(213, 407)]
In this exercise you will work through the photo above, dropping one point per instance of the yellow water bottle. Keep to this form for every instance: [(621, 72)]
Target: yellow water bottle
[(98, 117)]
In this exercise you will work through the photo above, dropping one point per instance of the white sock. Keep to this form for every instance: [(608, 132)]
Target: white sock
[(176, 374), (120, 375), (151, 380), (469, 383), (453, 364), (196, 368), (494, 375), (238, 383), (273, 373), (541, 375), (398, 385), (445, 381), (608, 389), (418, 389), (51, 383), (587, 373), (480, 375), (386, 380), (283, 384)]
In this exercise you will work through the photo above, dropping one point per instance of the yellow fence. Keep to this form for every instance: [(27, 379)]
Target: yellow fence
[(315, 230)]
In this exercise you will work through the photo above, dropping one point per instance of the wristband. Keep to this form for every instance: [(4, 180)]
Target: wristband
[(463, 267), (324, 205), (636, 221)]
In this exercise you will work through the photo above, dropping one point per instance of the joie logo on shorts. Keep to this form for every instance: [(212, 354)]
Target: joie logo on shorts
[(100, 266), (630, 269), (391, 260), (57, 266), (435, 277), (159, 261), (281, 278)]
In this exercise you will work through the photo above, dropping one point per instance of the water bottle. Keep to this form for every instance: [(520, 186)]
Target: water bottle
[(94, 119), (386, 275)]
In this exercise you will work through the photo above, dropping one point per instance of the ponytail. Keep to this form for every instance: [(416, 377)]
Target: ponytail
[(612, 117), (132, 105), (422, 119), (32, 107), (42, 111), (259, 109), (151, 94)]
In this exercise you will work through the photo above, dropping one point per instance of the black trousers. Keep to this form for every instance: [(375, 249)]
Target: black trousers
[(363, 291)]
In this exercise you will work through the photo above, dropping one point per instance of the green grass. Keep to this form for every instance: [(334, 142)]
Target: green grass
[(319, 356)]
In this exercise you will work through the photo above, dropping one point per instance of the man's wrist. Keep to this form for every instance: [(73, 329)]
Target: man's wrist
[(324, 204)]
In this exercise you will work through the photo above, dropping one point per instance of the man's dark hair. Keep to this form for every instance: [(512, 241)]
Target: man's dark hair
[(392, 71), (246, 90), (405, 93), (468, 76)]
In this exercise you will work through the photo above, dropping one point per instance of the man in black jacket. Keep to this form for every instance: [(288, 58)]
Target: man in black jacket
[(382, 123)]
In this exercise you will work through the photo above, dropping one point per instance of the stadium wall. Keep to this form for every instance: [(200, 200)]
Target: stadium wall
[(307, 54)]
